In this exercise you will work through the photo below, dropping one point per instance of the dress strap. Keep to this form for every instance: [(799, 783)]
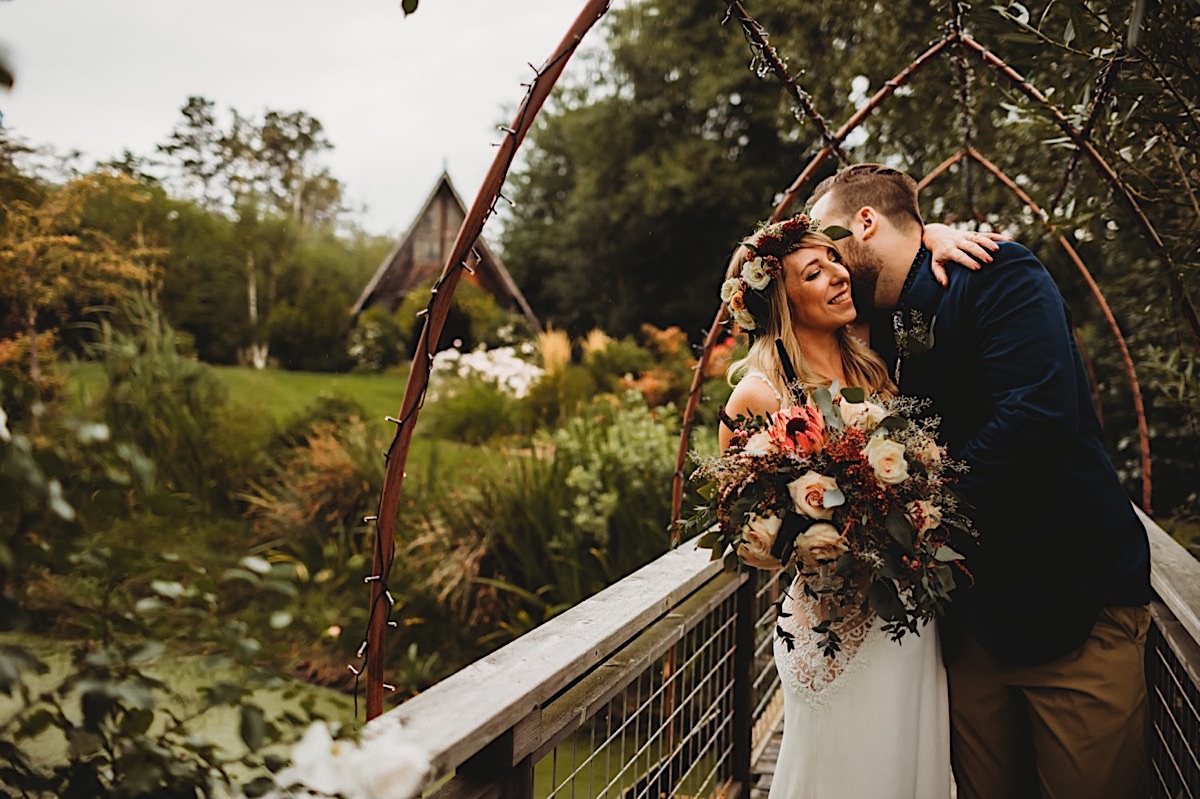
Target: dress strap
[(767, 380)]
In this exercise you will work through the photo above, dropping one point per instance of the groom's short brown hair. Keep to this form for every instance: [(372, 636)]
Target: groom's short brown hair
[(889, 191)]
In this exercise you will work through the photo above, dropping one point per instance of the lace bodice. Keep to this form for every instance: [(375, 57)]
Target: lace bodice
[(809, 672)]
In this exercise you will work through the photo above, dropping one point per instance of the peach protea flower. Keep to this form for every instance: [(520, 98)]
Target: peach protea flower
[(799, 429)]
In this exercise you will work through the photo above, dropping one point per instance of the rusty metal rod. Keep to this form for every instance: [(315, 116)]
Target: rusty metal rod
[(439, 307)]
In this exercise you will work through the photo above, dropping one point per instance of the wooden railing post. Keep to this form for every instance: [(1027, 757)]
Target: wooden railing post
[(743, 684), (501, 770)]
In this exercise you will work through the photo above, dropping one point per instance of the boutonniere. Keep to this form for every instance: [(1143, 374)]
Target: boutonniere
[(914, 336)]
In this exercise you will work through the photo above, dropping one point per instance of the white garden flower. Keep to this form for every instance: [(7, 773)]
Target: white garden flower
[(502, 367), (754, 272), (744, 320), (376, 769), (319, 763), (729, 288)]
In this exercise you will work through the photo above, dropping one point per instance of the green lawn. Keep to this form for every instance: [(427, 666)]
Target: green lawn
[(288, 393)]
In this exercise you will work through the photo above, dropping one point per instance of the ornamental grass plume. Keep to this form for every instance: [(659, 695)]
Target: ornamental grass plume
[(555, 348), (595, 341)]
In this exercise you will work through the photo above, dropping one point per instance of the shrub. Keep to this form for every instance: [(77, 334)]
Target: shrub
[(589, 504), (471, 411), (487, 324), (377, 340), (176, 411)]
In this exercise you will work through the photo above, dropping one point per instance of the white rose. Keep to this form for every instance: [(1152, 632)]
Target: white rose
[(755, 274), (887, 459), (758, 536), (808, 495), (729, 288), (924, 515), (863, 415), (744, 320), (820, 542), (759, 444)]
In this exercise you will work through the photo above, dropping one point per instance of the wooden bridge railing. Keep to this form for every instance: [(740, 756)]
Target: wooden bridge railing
[(663, 685)]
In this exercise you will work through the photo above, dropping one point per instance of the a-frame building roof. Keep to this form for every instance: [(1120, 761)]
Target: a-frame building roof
[(421, 254)]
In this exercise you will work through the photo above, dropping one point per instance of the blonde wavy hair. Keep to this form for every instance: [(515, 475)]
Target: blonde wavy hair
[(862, 366)]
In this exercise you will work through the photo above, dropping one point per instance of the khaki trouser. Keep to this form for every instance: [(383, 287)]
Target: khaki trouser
[(1074, 727)]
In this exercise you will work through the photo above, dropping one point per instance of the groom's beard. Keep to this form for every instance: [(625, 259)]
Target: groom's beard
[(864, 266)]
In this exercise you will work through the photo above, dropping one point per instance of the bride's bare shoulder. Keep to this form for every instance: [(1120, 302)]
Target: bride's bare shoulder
[(752, 396)]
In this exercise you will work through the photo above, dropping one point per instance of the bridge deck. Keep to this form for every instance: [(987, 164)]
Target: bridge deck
[(764, 767)]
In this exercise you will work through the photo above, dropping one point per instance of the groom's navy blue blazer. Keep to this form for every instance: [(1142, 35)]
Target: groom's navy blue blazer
[(1058, 537)]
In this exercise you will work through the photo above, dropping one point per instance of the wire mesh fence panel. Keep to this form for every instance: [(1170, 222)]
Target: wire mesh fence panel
[(667, 732), (1172, 661)]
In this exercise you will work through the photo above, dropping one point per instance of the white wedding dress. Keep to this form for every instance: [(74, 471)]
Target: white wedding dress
[(873, 721)]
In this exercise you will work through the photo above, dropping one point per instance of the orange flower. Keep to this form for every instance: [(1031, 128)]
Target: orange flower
[(737, 302), (799, 429)]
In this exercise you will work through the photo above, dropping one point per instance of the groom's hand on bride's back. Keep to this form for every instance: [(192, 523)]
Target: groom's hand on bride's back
[(968, 248)]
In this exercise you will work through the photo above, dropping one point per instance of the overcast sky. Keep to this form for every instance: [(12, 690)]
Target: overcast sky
[(398, 96)]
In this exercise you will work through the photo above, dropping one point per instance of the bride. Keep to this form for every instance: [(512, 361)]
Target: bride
[(874, 719)]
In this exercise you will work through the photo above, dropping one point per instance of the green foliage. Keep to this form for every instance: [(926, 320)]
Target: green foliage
[(620, 358), (557, 396), (472, 411), (475, 318), (174, 409), (311, 334), (108, 726), (644, 171), (584, 508), (377, 341)]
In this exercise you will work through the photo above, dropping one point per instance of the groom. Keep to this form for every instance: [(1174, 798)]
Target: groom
[(1046, 678)]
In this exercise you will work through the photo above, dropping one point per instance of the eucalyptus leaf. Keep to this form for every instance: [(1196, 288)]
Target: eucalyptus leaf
[(824, 400), (945, 554), (253, 726), (900, 528), (885, 601), (945, 578), (854, 394)]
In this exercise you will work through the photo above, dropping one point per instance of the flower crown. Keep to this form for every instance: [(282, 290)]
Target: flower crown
[(768, 246)]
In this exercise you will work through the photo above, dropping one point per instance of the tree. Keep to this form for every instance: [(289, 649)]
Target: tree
[(49, 257), (266, 176), (642, 174)]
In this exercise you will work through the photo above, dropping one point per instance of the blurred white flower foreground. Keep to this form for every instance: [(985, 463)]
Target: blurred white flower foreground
[(376, 768)]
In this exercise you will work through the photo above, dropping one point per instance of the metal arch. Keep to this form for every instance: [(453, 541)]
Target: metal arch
[(435, 318), (1083, 144), (1131, 372)]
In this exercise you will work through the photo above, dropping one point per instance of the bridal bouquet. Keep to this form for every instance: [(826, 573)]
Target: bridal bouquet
[(844, 487)]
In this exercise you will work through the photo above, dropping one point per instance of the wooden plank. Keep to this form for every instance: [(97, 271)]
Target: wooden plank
[(1175, 576), (456, 718)]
